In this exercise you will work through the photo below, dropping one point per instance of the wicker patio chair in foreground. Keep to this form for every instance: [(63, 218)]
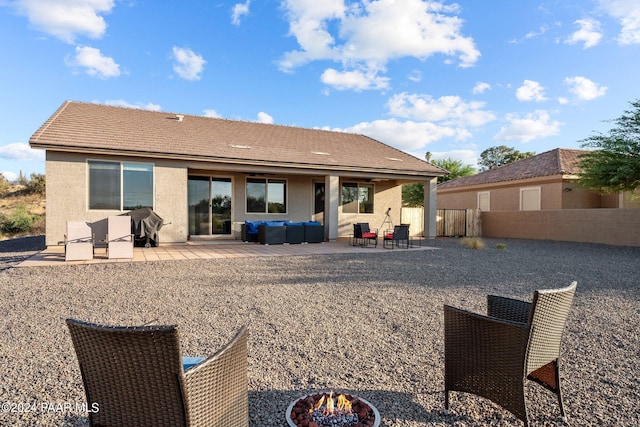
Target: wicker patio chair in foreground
[(491, 356), (135, 375)]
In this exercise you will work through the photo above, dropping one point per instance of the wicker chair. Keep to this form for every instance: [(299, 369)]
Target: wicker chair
[(400, 233), (363, 235), (135, 376), (491, 356)]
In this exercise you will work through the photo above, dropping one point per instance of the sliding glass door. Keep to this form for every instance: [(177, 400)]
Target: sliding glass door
[(209, 205)]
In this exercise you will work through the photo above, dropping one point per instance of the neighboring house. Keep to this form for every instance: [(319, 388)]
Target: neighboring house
[(543, 182), (206, 176)]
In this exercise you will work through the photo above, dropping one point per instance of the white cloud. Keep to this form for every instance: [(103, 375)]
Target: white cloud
[(354, 80), (450, 110), (9, 176), (265, 118), (138, 105), (239, 10), (211, 114), (415, 76), (589, 33), (67, 19), (94, 63), (188, 65), (530, 91), (628, 12), (533, 126), (481, 87), (585, 89), (408, 135), (467, 157), (533, 34), (367, 34), (21, 152)]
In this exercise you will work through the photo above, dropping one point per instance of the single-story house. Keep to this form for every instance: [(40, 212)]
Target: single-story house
[(545, 181), (206, 176)]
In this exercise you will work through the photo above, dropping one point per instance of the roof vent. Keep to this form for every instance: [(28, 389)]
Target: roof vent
[(320, 153), (394, 159), (179, 117)]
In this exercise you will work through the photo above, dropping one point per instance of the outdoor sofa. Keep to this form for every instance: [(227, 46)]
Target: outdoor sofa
[(279, 232)]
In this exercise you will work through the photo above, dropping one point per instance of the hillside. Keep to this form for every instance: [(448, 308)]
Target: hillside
[(17, 198)]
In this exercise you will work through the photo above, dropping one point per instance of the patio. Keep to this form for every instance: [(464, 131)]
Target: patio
[(54, 255)]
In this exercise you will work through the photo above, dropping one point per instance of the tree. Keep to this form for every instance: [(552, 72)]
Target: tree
[(413, 194), (615, 164), (501, 155)]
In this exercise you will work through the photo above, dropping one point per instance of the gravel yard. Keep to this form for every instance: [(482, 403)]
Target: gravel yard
[(370, 324)]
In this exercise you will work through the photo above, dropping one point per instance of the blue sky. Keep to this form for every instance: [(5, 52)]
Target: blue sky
[(451, 78)]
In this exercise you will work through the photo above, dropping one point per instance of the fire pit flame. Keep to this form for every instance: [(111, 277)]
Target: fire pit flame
[(323, 410)]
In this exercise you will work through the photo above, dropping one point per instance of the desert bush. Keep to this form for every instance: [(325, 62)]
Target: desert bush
[(501, 246), (473, 242), (4, 185), (36, 185), (19, 221)]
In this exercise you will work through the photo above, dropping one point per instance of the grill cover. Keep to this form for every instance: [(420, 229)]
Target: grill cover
[(145, 225)]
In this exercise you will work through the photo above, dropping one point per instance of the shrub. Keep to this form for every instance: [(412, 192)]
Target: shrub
[(4, 185), (36, 185), (19, 221), (473, 242), (501, 246)]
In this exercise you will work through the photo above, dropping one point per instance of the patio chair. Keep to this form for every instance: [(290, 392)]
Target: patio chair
[(137, 377), (363, 235), (119, 237), (78, 242), (399, 234), (491, 356)]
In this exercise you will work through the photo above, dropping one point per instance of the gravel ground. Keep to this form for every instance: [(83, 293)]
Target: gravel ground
[(369, 324)]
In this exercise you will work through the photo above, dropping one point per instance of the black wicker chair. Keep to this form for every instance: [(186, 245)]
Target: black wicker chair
[(396, 237), (363, 235), (491, 356), (135, 376)]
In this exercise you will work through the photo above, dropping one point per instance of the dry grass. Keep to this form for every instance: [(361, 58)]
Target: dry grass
[(473, 242)]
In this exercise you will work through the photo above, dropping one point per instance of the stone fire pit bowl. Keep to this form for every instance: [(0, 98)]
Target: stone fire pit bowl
[(291, 423)]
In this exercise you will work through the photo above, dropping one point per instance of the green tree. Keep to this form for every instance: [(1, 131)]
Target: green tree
[(493, 157), (615, 164), (413, 194)]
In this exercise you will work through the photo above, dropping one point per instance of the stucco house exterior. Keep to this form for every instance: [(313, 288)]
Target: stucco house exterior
[(546, 181), (206, 176)]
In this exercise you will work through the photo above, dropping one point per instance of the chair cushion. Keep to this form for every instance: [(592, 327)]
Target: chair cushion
[(188, 362), (369, 235), (388, 236)]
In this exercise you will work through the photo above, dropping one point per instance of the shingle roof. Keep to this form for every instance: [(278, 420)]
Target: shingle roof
[(86, 127), (554, 162)]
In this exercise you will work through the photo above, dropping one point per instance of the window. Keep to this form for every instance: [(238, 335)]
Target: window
[(483, 201), (357, 198), (530, 199), (266, 195), (120, 186)]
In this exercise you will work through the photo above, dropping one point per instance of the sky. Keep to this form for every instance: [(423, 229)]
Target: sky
[(449, 78)]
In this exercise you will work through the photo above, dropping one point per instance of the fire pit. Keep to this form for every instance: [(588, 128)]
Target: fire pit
[(329, 409)]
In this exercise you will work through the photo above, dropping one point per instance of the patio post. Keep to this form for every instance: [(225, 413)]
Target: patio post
[(331, 205), (430, 208)]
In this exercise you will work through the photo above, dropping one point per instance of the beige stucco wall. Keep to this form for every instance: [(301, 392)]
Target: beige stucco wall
[(67, 197), (554, 194), (388, 194), (608, 226)]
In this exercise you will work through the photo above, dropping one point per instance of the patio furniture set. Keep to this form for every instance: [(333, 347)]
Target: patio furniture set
[(123, 232), (280, 232), (137, 375), (397, 237)]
